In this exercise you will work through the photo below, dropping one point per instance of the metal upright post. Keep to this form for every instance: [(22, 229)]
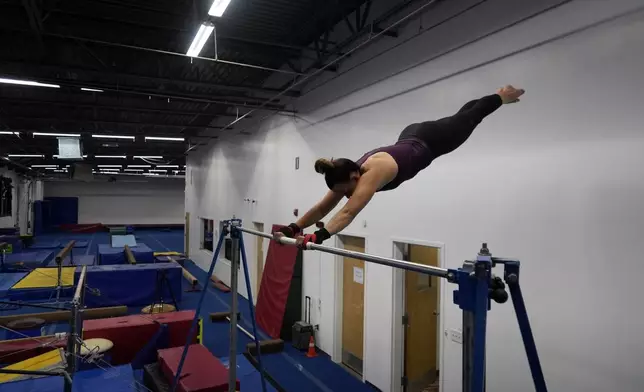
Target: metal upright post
[(234, 265), (59, 286)]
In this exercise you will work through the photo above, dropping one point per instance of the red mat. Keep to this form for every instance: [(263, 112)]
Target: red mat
[(130, 333), (201, 372), (276, 283), (13, 351)]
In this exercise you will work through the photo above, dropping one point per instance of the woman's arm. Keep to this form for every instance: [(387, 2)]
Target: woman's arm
[(320, 210), (369, 183)]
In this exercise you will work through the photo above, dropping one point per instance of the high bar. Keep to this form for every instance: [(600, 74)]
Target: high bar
[(406, 265)]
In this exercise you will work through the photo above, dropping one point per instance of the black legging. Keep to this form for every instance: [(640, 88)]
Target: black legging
[(447, 134)]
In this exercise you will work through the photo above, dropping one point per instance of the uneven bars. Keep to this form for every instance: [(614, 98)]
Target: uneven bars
[(81, 284), (406, 265), (130, 256)]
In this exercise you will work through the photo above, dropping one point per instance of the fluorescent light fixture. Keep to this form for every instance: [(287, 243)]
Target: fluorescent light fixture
[(51, 168), (119, 166), (44, 166), (148, 157), (95, 90), (167, 139), (110, 156), (218, 7), (9, 133), (133, 170), (57, 134), (139, 166), (113, 137), (167, 166), (27, 83), (60, 171), (25, 156), (157, 171), (200, 39), (150, 174), (58, 156)]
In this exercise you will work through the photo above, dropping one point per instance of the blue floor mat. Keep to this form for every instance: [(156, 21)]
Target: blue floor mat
[(8, 279), (46, 245), (120, 378)]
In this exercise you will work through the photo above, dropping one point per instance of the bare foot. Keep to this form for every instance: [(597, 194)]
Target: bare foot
[(510, 94)]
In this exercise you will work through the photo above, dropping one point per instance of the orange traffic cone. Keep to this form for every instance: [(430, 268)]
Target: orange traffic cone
[(311, 353)]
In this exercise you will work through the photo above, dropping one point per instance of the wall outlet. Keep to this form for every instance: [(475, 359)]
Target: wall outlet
[(456, 336)]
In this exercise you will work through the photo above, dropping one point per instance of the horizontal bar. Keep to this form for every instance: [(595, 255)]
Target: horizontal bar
[(406, 265), (65, 251), (31, 372), (81, 284), (26, 304)]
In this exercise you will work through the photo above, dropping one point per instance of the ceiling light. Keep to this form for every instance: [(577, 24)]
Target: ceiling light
[(95, 90), (167, 166), (25, 156), (150, 174), (27, 83), (218, 7), (9, 133), (157, 171), (57, 134), (58, 156), (113, 137), (110, 156), (43, 166), (139, 166), (169, 139), (119, 166), (60, 171), (200, 39), (133, 170), (148, 157)]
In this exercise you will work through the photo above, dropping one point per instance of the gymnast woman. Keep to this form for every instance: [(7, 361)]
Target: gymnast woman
[(385, 168)]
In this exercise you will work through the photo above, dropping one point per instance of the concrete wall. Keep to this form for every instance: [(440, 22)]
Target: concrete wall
[(555, 181)]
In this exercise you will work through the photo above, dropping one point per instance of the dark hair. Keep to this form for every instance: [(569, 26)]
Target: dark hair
[(336, 171)]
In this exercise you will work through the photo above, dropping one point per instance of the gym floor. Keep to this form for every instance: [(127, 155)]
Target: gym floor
[(291, 369)]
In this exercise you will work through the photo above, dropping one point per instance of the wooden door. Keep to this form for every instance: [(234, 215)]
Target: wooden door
[(353, 306), (259, 246), (186, 236), (421, 334)]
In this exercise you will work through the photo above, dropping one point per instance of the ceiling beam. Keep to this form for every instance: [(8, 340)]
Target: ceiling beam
[(64, 69), (123, 108), (113, 122)]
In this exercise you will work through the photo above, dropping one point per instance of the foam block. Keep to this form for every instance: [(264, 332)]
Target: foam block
[(33, 259), (54, 359), (133, 285), (78, 260), (202, 372), (131, 333)]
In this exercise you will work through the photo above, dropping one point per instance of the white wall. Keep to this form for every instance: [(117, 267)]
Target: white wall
[(555, 181), (125, 201), (10, 221)]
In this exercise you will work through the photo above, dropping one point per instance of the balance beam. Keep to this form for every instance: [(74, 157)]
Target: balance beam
[(65, 315), (130, 257), (187, 275), (65, 252)]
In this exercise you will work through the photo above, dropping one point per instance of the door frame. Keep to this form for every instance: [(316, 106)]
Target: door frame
[(339, 296), (398, 346)]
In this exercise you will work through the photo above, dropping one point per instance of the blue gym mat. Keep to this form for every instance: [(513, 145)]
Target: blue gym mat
[(132, 285), (107, 255), (78, 260), (119, 378), (249, 378), (8, 279), (46, 245), (81, 244), (35, 259)]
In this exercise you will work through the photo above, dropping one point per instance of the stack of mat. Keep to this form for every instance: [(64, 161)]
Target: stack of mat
[(77, 260), (130, 334), (40, 283), (28, 259)]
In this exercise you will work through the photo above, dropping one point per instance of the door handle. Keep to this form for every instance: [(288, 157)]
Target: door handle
[(436, 313)]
